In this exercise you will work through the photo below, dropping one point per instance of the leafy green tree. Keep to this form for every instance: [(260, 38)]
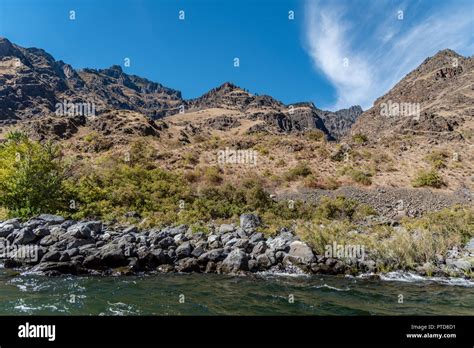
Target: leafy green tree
[(31, 176)]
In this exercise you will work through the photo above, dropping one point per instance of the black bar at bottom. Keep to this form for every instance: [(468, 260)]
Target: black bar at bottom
[(291, 331)]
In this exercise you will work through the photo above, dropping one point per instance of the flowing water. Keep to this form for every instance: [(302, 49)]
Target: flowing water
[(208, 294)]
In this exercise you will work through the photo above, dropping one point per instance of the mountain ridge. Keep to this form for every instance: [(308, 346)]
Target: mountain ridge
[(34, 83)]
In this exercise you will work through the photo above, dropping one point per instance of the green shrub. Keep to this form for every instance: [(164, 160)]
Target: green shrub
[(280, 163), (191, 158), (341, 208), (31, 176), (357, 175), (359, 138), (437, 159), (302, 169), (315, 135), (361, 177), (213, 175), (429, 178)]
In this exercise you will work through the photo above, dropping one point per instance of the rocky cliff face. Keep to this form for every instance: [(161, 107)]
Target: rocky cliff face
[(340, 122), (434, 100), (276, 116), (34, 84)]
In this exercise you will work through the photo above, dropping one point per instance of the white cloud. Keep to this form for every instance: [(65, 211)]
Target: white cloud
[(385, 55)]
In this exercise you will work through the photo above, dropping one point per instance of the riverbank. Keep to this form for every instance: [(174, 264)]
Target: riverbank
[(52, 245)]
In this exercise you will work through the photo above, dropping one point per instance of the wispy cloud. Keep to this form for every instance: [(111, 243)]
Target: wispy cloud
[(365, 61)]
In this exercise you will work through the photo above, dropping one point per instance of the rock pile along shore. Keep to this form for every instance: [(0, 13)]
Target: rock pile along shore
[(52, 245)]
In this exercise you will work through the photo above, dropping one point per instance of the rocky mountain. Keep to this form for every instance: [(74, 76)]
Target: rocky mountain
[(268, 114), (340, 122), (434, 100), (33, 83)]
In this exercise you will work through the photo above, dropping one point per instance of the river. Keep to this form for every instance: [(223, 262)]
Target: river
[(211, 294)]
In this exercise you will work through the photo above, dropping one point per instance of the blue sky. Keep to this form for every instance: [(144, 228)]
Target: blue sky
[(335, 53)]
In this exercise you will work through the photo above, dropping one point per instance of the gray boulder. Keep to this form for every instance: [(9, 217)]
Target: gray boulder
[(79, 230), (6, 229), (51, 219), (213, 255), (184, 250), (173, 231), (112, 255), (279, 243), (249, 221), (52, 255), (130, 229), (226, 228), (14, 222), (263, 262), (235, 262), (259, 248), (187, 265), (256, 237), (48, 240), (25, 236), (225, 238), (242, 243), (199, 249), (159, 257), (56, 268), (42, 231), (300, 254), (165, 243)]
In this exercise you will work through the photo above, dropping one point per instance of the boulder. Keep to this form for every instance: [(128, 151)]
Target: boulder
[(51, 219), (253, 266), (159, 257), (25, 236), (66, 224), (213, 255), (463, 265), (93, 261), (249, 221), (225, 238), (188, 264), (57, 268), (42, 231), (33, 223), (256, 237), (242, 243), (180, 238), (173, 231), (48, 240), (184, 250), (259, 248), (52, 255), (79, 230), (72, 252), (235, 262), (14, 222), (111, 255), (300, 254), (6, 229), (232, 242), (165, 243), (223, 229), (263, 262), (130, 229), (278, 244), (78, 243), (199, 249)]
